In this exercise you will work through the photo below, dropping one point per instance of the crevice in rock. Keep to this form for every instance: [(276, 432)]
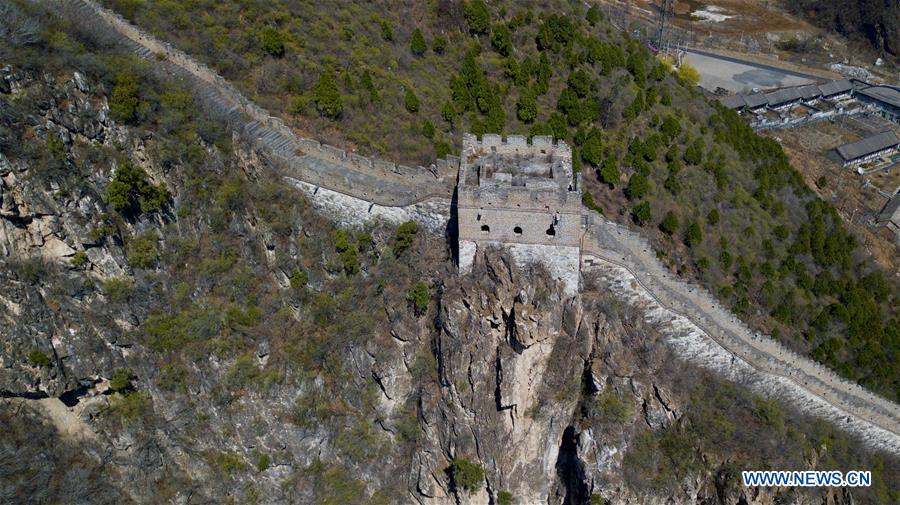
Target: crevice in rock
[(27, 395), (71, 397), (499, 379), (512, 331), (588, 384), (570, 471), (378, 380), (21, 222)]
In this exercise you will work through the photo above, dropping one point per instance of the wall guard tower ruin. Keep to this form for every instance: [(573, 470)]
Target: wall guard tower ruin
[(521, 196)]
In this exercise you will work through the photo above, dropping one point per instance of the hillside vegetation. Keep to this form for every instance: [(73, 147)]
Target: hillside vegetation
[(877, 22), (248, 344), (403, 80), (215, 265)]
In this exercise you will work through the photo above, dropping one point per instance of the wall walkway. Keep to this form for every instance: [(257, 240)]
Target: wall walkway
[(382, 183), (377, 181), (614, 244)]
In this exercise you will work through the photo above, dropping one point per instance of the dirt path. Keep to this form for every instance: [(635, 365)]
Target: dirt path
[(67, 420)]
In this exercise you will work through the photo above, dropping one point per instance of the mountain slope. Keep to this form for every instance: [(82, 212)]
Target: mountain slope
[(877, 22), (220, 341), (722, 204)]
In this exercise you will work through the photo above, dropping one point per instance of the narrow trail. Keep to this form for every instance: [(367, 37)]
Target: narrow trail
[(810, 386)]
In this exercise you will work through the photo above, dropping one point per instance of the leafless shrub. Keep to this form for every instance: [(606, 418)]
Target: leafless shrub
[(17, 29)]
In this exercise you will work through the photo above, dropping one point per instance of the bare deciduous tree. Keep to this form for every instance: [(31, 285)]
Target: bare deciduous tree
[(17, 28)]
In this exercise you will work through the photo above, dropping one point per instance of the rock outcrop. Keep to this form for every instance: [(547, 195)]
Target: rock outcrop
[(544, 392), (508, 347)]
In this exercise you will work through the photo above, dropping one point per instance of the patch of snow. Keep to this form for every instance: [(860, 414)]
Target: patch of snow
[(711, 14)]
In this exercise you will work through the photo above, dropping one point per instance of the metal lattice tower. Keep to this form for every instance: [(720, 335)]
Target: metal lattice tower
[(666, 11)]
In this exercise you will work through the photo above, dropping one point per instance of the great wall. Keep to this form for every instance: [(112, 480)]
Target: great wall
[(700, 330), (378, 181), (628, 262)]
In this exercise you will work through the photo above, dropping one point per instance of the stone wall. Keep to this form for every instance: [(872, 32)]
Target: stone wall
[(294, 156), (347, 211), (875, 420), (538, 224), (511, 145), (555, 226), (821, 391), (516, 144)]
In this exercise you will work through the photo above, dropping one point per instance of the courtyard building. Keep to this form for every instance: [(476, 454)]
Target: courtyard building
[(861, 151)]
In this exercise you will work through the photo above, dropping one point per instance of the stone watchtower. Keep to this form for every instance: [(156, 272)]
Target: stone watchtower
[(521, 196)]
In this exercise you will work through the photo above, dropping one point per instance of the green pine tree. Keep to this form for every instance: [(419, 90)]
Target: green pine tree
[(527, 108), (411, 101), (477, 16), (327, 97), (417, 44)]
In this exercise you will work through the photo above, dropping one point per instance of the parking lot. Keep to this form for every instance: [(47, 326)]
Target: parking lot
[(739, 76)]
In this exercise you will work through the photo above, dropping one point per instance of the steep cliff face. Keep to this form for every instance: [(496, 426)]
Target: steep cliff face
[(50, 200), (554, 397), (510, 350), (251, 351)]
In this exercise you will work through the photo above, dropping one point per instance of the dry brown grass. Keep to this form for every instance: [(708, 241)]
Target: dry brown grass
[(752, 16), (807, 148)]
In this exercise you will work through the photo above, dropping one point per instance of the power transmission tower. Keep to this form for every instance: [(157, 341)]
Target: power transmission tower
[(666, 11)]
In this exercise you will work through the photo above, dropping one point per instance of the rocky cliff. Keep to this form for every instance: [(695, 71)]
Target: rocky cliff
[(211, 336)]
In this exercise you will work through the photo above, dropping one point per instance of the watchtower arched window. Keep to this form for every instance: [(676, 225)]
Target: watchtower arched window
[(517, 230), (485, 228), (551, 231)]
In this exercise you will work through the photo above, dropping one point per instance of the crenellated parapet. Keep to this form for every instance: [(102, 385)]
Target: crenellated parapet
[(516, 144), (442, 169), (521, 195)]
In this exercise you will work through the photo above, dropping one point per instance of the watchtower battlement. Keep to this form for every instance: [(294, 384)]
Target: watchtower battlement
[(524, 195), (513, 162)]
